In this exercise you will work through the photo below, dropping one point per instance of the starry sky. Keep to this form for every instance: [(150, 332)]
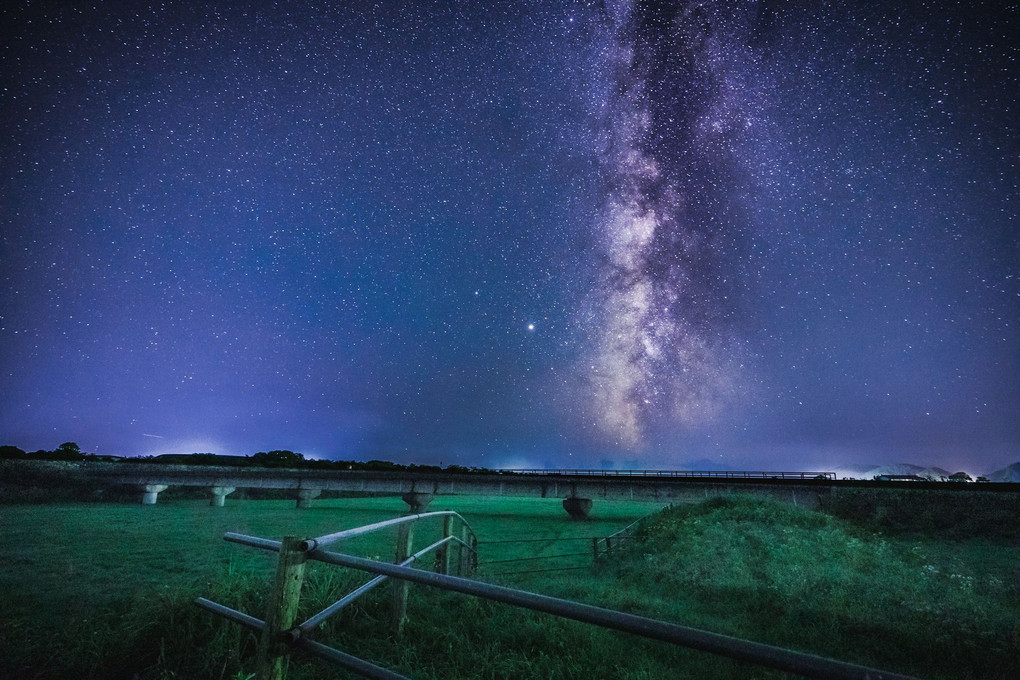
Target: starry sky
[(772, 235)]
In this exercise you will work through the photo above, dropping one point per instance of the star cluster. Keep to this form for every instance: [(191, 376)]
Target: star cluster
[(637, 233)]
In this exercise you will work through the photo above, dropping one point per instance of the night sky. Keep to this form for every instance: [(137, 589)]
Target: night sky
[(565, 234)]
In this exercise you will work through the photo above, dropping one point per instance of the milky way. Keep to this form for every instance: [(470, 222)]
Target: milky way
[(676, 114)]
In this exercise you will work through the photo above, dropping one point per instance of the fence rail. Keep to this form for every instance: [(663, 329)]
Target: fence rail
[(279, 632), (360, 666), (321, 541), (723, 645)]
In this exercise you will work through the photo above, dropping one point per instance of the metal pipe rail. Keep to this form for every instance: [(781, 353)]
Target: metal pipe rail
[(352, 663), (761, 654), (744, 650), (252, 541), (313, 543), (315, 620), (274, 546), (280, 626)]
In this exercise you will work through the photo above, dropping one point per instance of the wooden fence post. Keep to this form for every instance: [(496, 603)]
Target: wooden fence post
[(443, 557), (461, 546), (281, 614), (474, 555), (405, 540)]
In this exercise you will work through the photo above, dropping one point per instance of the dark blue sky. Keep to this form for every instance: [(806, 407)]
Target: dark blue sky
[(533, 233)]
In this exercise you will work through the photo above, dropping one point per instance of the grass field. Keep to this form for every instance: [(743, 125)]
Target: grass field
[(105, 591), (76, 573)]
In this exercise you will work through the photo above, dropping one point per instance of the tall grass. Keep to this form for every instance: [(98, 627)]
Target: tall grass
[(803, 579)]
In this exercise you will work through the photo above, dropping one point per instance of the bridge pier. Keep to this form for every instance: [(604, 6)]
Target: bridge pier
[(151, 492), (305, 496), (219, 495), (417, 500), (577, 508)]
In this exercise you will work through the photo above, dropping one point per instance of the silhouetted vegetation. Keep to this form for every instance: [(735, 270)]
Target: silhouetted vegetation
[(950, 509), (12, 453), (68, 451), (278, 458)]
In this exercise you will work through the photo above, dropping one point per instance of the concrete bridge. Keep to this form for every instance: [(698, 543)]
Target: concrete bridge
[(577, 488)]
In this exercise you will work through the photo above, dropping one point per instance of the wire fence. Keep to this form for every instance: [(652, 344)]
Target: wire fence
[(587, 559), (616, 541), (577, 559)]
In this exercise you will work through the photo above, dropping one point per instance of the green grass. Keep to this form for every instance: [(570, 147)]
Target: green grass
[(106, 591), (802, 579), (92, 575)]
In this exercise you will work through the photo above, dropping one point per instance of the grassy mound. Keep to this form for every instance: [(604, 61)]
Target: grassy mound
[(803, 579)]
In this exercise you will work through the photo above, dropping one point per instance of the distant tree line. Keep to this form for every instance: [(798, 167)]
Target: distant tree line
[(70, 451)]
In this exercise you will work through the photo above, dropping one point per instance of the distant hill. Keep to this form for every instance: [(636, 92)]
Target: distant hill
[(1010, 473), (868, 471), (855, 469), (908, 469)]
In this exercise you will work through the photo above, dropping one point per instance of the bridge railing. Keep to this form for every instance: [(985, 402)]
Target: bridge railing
[(279, 634), (678, 474)]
